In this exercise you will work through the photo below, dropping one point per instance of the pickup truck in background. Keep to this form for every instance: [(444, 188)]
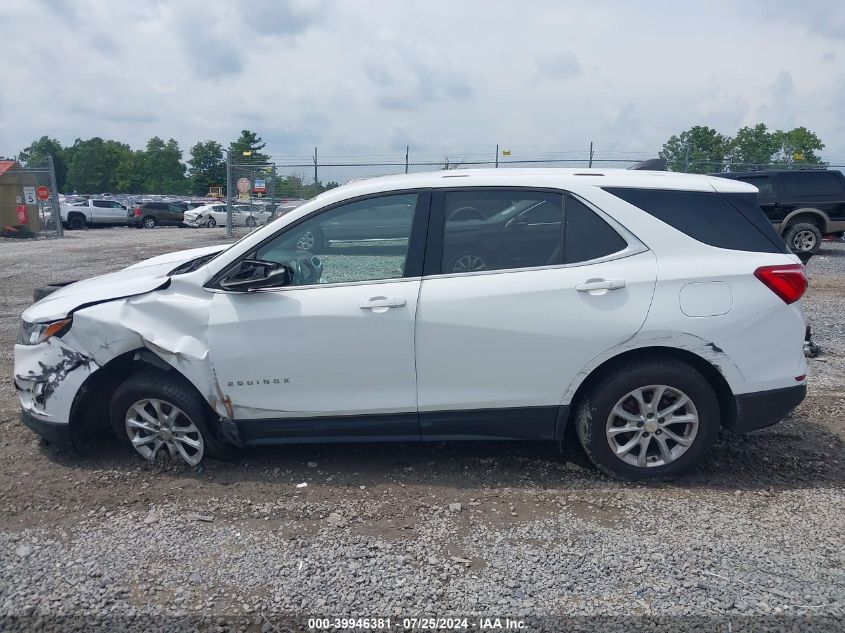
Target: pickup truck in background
[(93, 213)]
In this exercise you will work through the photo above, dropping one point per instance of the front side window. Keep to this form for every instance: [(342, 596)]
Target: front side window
[(501, 229), (364, 240)]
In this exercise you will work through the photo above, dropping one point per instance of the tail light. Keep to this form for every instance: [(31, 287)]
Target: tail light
[(788, 282)]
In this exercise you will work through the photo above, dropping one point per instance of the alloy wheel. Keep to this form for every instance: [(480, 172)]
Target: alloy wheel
[(210, 223), (152, 424), (804, 241), (149, 223), (652, 426), (469, 264)]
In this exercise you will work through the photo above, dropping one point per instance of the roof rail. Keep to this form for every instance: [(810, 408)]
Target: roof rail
[(652, 164)]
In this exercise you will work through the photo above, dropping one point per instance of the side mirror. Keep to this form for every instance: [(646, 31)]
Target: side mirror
[(255, 274)]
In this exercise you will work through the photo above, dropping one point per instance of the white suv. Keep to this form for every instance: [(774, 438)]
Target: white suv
[(647, 309)]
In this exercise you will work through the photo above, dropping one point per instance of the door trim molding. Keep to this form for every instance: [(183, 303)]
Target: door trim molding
[(513, 423)]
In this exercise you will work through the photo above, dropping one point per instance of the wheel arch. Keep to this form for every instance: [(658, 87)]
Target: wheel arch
[(806, 214), (89, 412), (713, 375)]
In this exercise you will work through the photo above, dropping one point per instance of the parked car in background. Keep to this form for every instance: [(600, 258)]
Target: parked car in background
[(211, 215), (285, 206), (802, 204), (151, 214), (645, 310), (93, 212)]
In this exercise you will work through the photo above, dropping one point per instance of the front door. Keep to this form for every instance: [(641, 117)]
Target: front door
[(498, 342), (332, 354)]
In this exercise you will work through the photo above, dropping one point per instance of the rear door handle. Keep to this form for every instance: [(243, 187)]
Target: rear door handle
[(383, 302), (601, 284)]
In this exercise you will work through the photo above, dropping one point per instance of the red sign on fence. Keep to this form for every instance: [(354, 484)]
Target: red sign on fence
[(42, 193), (21, 208)]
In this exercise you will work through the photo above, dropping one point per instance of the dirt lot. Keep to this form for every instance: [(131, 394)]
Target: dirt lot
[(104, 541)]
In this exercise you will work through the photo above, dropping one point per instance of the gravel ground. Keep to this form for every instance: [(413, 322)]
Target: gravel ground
[(103, 541)]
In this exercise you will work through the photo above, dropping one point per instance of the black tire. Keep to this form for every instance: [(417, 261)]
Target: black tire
[(466, 261), (170, 387), (149, 222), (803, 238), (210, 222), (594, 409), (75, 222), (250, 222)]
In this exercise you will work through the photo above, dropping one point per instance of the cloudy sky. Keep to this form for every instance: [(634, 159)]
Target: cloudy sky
[(369, 77)]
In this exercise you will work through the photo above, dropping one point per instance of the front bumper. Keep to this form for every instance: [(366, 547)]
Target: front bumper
[(765, 408), (57, 433)]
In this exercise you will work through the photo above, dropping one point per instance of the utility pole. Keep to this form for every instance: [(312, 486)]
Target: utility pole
[(591, 154), (315, 167), (497, 155), (407, 148), (229, 186), (54, 194)]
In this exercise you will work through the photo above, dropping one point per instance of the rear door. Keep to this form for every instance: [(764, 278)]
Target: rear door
[(498, 345)]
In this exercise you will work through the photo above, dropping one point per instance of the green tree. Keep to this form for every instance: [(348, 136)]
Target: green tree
[(798, 147), (162, 169), (752, 147), (248, 142), (93, 165), (208, 167), (35, 155), (700, 149)]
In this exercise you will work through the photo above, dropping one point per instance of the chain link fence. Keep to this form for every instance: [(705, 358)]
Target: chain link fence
[(29, 203)]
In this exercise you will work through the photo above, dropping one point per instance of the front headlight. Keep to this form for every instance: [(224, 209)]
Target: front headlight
[(35, 333)]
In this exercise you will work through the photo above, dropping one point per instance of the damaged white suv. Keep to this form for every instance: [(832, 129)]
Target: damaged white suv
[(647, 309)]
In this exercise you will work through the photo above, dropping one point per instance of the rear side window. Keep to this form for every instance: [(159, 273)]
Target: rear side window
[(811, 184), (586, 235), (705, 216), (501, 229)]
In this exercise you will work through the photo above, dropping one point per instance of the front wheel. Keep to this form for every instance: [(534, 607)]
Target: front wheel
[(652, 421), (250, 222), (76, 222), (803, 238), (154, 412), (211, 222)]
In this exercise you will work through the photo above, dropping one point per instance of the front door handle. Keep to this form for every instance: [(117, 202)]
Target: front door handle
[(383, 302), (600, 284)]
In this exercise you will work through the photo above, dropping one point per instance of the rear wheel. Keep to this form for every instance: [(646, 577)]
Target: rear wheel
[(155, 412), (653, 421), (803, 238), (149, 222)]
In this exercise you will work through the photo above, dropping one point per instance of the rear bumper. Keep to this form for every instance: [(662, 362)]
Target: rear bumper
[(765, 408), (57, 433)]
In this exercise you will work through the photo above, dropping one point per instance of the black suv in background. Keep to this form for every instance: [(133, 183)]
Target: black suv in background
[(150, 214), (803, 204)]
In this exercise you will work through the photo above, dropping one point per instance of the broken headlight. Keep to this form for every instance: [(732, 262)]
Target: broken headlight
[(35, 333)]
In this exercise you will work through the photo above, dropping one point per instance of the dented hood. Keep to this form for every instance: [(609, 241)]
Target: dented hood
[(145, 276)]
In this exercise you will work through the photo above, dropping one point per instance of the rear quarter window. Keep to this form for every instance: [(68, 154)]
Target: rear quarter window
[(708, 217), (813, 184)]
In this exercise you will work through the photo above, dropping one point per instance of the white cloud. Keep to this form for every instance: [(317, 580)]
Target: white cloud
[(442, 77)]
